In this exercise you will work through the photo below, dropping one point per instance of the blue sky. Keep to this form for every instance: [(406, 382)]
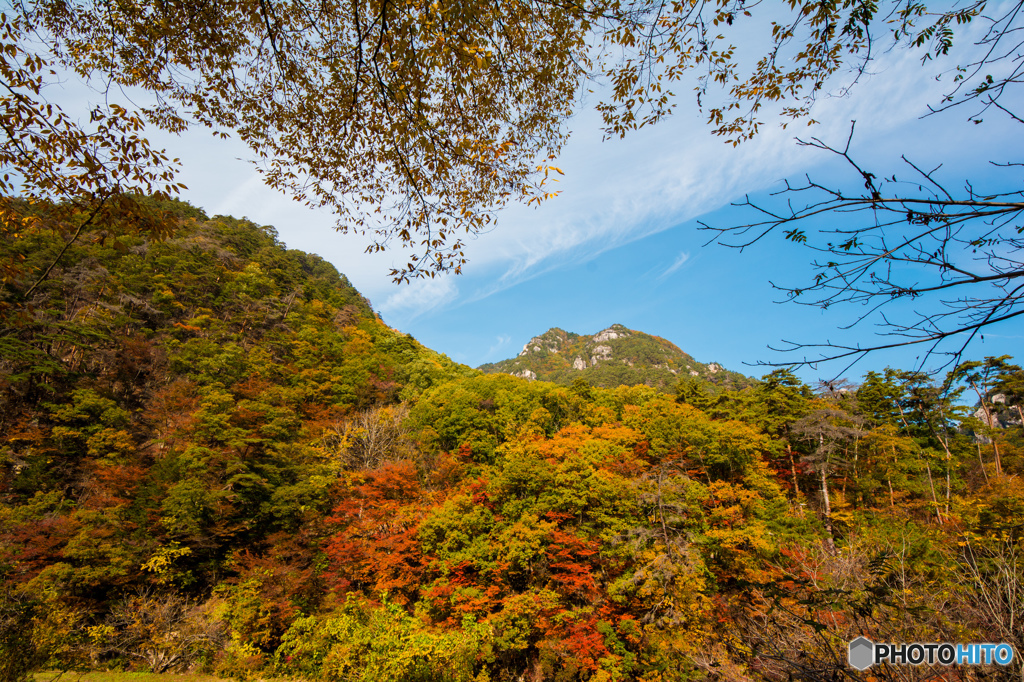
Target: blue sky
[(620, 244)]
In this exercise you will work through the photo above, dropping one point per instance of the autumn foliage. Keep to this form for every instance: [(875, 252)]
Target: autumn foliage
[(213, 454)]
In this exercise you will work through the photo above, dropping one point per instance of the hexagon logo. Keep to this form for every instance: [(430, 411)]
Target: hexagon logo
[(862, 653)]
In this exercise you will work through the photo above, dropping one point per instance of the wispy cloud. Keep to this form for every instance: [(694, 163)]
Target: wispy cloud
[(614, 192), (420, 296), (501, 342), (617, 192), (679, 262)]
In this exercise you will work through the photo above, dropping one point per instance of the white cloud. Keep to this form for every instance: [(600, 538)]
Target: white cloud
[(679, 262), (620, 191), (613, 193), (500, 342), (420, 296)]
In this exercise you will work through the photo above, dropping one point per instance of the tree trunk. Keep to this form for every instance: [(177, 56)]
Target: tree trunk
[(989, 423), (830, 540), (792, 466), (981, 462), (948, 485), (949, 458), (846, 479), (931, 484), (856, 474), (888, 479)]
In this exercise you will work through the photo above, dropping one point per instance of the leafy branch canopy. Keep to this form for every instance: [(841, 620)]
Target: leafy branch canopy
[(412, 120)]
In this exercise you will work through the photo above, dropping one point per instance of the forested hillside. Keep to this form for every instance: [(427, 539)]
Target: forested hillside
[(615, 356), (216, 456)]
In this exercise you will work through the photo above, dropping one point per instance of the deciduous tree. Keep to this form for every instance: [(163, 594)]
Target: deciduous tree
[(415, 121)]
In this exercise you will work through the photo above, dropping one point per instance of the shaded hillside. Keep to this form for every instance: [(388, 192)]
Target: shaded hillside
[(170, 409), (615, 356)]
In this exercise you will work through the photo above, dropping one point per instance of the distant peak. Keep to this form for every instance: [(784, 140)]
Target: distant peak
[(613, 356), (551, 341), (616, 331)]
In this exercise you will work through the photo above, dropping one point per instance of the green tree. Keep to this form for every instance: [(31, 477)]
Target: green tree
[(776, 404), (1010, 384), (831, 432), (996, 383)]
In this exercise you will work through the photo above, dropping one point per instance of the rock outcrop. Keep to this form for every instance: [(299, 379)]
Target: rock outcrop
[(611, 357)]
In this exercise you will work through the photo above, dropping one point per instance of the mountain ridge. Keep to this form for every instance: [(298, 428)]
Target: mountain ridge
[(613, 356)]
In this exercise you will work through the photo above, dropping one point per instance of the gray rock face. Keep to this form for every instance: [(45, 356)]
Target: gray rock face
[(549, 341), (579, 363), (982, 416), (608, 335), (600, 353), (526, 374)]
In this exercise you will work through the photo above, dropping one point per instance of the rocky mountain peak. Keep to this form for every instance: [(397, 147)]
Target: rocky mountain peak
[(553, 340), (613, 356), (616, 331)]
